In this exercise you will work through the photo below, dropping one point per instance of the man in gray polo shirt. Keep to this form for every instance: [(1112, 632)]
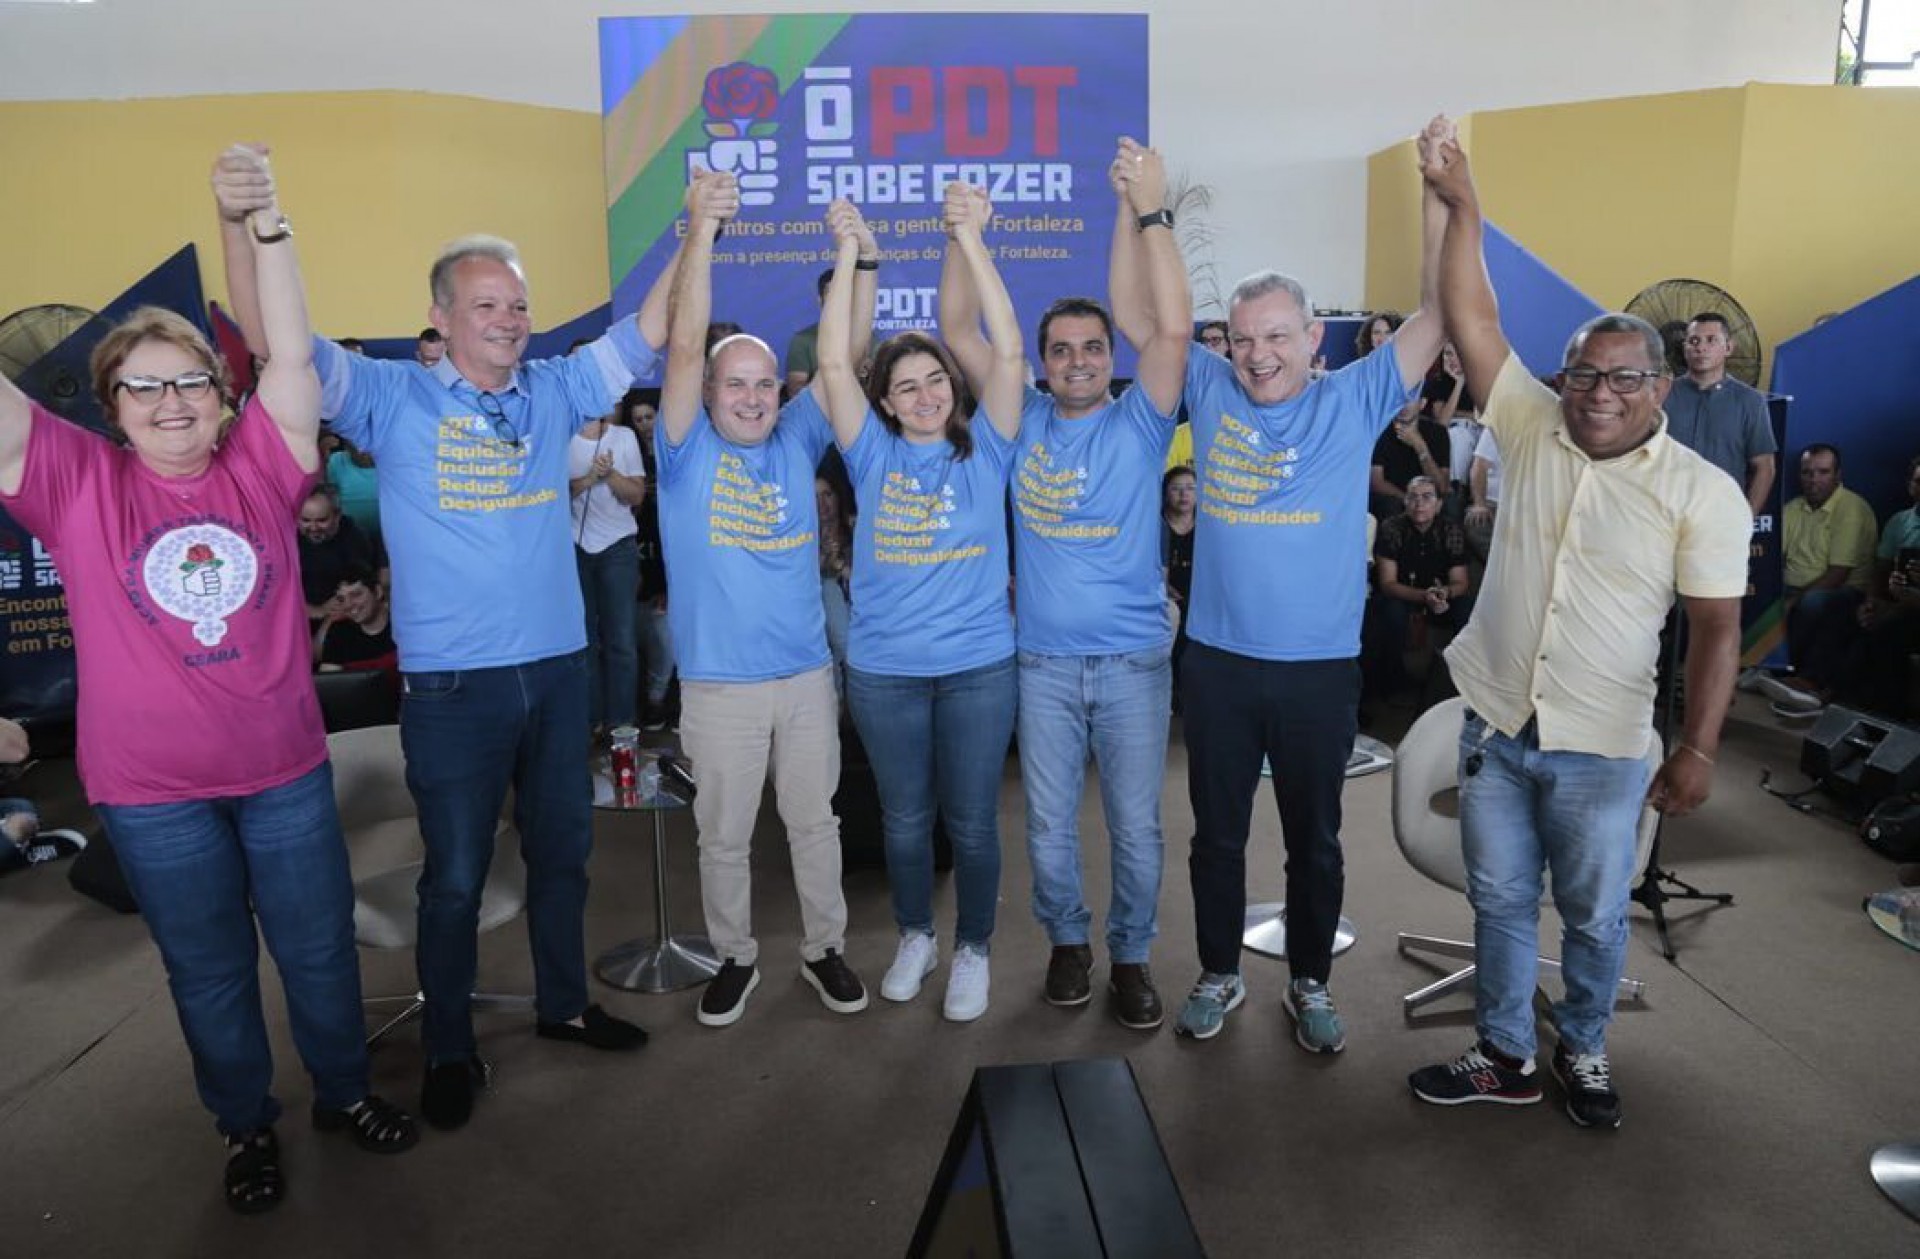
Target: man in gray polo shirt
[(1722, 419)]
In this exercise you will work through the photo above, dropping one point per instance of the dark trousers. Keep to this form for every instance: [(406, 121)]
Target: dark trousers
[(1822, 627), (1301, 717)]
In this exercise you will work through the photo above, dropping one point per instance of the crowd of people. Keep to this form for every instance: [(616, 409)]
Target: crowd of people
[(979, 556)]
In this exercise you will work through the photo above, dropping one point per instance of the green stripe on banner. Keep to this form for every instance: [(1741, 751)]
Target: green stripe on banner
[(652, 201)]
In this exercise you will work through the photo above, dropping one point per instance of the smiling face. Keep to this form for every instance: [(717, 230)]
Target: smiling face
[(1604, 423), (920, 396), (1272, 341), (358, 601), (174, 436), (1079, 363), (319, 518), (743, 390), (486, 321)]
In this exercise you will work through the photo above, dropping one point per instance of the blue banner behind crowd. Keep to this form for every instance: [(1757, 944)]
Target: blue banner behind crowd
[(883, 109)]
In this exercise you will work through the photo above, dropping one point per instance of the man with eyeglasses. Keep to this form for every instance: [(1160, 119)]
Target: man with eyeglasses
[(1723, 419), (1604, 518), (488, 617)]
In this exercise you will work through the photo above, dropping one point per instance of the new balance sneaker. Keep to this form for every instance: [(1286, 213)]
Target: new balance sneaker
[(917, 957), (725, 999), (1786, 694), (840, 989), (1070, 975), (1214, 996), (1478, 1075), (1316, 1024), (1588, 1080), (1135, 1003), (967, 984)]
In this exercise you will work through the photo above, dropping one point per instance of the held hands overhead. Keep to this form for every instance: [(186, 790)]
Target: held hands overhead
[(1140, 175), (243, 182), (713, 199)]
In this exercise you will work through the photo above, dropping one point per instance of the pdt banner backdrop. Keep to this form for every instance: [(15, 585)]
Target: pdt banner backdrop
[(885, 110)]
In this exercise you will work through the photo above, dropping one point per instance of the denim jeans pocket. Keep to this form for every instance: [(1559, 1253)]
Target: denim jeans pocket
[(430, 687), (1147, 661)]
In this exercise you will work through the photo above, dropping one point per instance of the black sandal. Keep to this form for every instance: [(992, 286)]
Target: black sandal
[(254, 1183), (377, 1124)]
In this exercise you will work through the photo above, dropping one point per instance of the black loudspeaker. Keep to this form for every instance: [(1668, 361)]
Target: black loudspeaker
[(1055, 1161), (1861, 760), (96, 873)]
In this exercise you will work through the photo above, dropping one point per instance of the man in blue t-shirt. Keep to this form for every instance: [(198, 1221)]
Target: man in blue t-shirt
[(740, 528), (1279, 583), (1094, 634), (489, 622)]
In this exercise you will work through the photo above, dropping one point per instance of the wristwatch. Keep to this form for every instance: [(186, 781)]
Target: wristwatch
[(281, 230), (1159, 218)]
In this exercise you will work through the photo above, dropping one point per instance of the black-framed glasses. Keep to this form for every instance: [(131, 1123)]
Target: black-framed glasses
[(503, 430), (1620, 379), (147, 391)]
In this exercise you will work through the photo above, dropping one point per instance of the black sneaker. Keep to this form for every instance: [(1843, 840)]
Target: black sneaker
[(1477, 1076), (725, 999), (1135, 1003), (840, 989), (446, 1098), (1588, 1080), (1070, 975)]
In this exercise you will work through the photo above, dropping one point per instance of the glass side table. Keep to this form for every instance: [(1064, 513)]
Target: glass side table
[(662, 962)]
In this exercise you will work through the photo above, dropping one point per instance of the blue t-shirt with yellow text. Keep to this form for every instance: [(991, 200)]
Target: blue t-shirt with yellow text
[(741, 532), (1086, 497), (929, 553), (1280, 539)]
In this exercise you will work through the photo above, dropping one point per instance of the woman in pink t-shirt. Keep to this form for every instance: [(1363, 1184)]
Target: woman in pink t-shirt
[(200, 742)]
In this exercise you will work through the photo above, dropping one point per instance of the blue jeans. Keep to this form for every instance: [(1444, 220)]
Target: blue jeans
[(1116, 706), (608, 580), (1523, 811), (939, 742), (658, 644), (203, 870), (468, 734)]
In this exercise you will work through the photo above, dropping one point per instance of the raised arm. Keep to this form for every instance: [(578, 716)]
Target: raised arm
[(1128, 299), (241, 186), (289, 387), (712, 198), (1001, 392), (1417, 342), (836, 382), (651, 318), (1163, 355), (960, 322), (1467, 304), (845, 220)]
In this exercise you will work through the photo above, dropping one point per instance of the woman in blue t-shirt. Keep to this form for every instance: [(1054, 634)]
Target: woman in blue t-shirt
[(931, 679)]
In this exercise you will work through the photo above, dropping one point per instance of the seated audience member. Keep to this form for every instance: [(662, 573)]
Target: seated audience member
[(606, 480), (1213, 335), (1413, 446), (1890, 616), (1721, 419), (1449, 405), (359, 635), (331, 546), (22, 842), (1828, 542), (429, 348), (350, 471), (1376, 332), (1421, 562)]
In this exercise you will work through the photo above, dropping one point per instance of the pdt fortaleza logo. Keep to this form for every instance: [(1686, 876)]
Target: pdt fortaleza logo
[(739, 101)]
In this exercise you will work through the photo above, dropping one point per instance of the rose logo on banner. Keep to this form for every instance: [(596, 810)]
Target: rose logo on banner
[(739, 99), (202, 573)]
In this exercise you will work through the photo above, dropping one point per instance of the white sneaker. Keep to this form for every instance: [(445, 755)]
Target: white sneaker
[(967, 985), (1790, 697), (919, 954)]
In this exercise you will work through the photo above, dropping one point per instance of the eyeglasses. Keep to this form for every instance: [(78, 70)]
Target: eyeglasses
[(147, 391), (1620, 379), (496, 414)]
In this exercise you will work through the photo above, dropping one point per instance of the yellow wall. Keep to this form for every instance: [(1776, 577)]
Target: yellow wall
[(374, 182), (1797, 200)]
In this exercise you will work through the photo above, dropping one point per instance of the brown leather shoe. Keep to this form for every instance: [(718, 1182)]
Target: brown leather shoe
[(1070, 975), (1135, 1003)]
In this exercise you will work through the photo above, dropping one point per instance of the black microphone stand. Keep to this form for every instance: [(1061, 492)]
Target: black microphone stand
[(1655, 882)]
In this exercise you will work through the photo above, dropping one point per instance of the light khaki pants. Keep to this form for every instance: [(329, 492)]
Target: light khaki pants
[(735, 731)]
